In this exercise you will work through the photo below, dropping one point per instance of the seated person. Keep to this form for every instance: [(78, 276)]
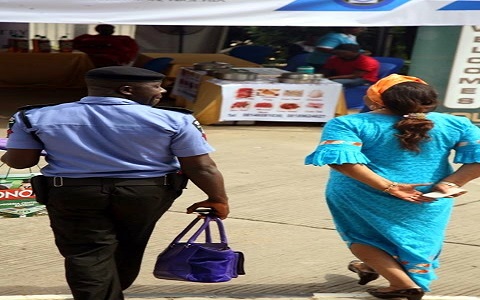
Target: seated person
[(106, 49), (323, 47), (350, 67)]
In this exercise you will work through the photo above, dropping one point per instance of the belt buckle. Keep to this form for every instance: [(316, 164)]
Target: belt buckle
[(165, 180), (57, 181)]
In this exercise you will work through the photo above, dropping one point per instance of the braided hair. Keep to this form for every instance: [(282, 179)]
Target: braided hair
[(412, 100)]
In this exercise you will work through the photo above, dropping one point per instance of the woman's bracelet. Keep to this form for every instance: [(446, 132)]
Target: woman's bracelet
[(392, 185), (450, 184)]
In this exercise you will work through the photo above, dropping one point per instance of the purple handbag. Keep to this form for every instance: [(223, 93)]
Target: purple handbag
[(200, 262)]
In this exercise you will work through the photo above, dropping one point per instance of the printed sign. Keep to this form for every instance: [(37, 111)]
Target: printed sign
[(463, 94), (16, 197), (187, 83), (267, 101)]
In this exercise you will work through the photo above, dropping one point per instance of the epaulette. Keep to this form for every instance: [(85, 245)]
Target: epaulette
[(25, 119), (28, 107), (177, 109)]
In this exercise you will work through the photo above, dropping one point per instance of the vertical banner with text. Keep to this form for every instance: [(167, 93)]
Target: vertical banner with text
[(463, 93)]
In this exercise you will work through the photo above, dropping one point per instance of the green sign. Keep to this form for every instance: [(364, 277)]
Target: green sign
[(16, 197)]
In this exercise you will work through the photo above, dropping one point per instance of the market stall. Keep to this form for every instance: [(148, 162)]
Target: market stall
[(213, 100)]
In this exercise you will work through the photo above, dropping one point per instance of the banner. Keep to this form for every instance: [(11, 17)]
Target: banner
[(16, 197), (463, 95), (245, 12), (282, 102)]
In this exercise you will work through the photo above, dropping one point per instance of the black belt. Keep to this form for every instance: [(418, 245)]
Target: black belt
[(98, 181)]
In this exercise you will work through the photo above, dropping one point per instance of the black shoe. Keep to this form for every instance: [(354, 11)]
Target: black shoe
[(410, 294), (365, 275)]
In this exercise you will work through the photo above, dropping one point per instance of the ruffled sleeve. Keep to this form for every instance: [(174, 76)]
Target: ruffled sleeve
[(339, 145), (468, 149)]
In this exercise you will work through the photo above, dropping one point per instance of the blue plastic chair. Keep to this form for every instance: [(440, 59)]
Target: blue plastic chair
[(399, 62), (159, 64), (252, 53), (296, 61), (354, 95)]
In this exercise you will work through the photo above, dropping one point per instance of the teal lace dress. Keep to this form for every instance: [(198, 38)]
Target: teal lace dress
[(412, 233)]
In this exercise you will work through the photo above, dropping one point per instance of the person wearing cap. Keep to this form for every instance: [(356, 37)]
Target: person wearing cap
[(115, 165), (383, 163), (324, 45), (350, 67), (106, 49)]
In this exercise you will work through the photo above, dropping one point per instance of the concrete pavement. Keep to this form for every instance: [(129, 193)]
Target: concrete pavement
[(278, 219)]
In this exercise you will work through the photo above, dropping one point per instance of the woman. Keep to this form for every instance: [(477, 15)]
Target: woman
[(382, 163)]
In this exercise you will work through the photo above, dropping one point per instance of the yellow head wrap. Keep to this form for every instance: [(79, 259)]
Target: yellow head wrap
[(374, 92)]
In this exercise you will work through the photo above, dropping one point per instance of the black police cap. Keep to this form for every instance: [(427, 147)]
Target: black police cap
[(123, 73)]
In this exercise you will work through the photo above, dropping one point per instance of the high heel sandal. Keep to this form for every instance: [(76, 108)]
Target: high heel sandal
[(365, 276), (410, 294)]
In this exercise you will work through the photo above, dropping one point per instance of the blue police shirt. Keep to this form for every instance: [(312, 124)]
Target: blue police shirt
[(109, 137)]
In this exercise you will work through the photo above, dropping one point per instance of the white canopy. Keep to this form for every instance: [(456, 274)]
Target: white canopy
[(245, 12)]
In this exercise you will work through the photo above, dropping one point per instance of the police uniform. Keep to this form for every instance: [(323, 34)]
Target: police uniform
[(110, 165)]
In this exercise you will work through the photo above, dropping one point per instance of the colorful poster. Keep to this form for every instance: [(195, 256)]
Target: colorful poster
[(16, 197), (283, 102), (187, 83)]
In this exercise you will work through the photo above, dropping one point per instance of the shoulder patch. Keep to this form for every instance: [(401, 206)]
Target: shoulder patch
[(197, 125), (177, 109)]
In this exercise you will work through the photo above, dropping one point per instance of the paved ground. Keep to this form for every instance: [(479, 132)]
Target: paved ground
[(278, 219)]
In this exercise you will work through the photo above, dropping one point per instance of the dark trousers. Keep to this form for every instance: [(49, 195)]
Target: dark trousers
[(102, 232)]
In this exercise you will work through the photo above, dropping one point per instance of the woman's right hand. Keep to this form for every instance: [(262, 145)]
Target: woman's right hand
[(407, 192)]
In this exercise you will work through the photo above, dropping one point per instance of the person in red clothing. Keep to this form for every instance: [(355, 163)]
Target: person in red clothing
[(350, 67), (106, 49)]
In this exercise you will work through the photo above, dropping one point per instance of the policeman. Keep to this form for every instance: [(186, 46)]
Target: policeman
[(113, 171)]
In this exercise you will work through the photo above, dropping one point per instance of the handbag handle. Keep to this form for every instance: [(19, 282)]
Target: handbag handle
[(204, 227)]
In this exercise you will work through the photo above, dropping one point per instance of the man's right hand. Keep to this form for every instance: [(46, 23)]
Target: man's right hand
[(220, 209)]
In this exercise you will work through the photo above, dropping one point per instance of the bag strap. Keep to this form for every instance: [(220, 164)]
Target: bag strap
[(204, 227)]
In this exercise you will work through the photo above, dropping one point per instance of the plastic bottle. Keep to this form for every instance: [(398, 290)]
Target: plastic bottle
[(44, 45), (306, 69), (12, 43), (65, 44), (35, 43), (22, 44)]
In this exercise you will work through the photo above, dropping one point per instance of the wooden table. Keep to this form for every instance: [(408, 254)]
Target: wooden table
[(57, 70), (207, 105)]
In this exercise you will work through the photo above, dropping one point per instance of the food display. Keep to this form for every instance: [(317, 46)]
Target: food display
[(316, 105), (240, 105), (264, 105), (268, 92), (315, 94), (289, 106), (244, 93), (293, 93)]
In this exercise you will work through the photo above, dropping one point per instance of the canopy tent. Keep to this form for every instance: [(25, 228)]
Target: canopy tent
[(245, 12)]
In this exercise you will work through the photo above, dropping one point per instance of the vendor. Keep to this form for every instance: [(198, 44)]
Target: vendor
[(106, 49)]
